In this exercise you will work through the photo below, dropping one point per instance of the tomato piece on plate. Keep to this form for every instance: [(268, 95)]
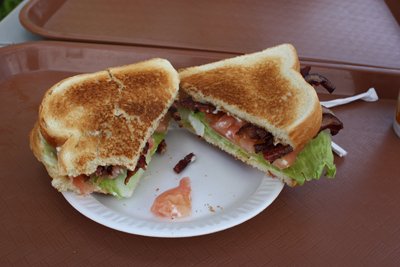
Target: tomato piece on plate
[(175, 202)]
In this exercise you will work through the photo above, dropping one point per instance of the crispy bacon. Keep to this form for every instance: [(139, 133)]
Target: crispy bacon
[(330, 121), (305, 71), (162, 147), (264, 146), (254, 132), (173, 110), (183, 163), (141, 164), (109, 172), (145, 149), (316, 79), (276, 152), (129, 174)]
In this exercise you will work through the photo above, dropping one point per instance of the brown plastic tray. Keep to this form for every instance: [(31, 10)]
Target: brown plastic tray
[(350, 220), (363, 32)]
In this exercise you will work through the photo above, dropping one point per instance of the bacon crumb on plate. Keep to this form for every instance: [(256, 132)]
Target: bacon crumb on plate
[(183, 163), (162, 147)]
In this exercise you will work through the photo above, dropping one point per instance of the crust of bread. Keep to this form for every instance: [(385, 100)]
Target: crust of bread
[(264, 88), (105, 118)]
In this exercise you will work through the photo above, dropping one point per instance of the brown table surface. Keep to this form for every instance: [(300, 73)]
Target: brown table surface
[(364, 32), (352, 219)]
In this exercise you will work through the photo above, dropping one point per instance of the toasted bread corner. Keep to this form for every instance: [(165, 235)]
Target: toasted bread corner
[(264, 88), (105, 118)]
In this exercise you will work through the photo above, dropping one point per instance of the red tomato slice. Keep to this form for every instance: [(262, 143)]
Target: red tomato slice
[(245, 142), (175, 202), (228, 126), (287, 160), (225, 125), (83, 187), (222, 124)]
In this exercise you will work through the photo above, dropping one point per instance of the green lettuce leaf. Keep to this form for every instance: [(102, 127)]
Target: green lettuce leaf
[(49, 153), (315, 160), (117, 186)]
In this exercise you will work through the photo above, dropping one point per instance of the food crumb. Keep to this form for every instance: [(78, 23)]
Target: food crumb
[(183, 163), (210, 208)]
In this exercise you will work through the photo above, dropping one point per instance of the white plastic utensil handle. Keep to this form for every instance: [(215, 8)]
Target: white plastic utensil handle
[(369, 96), (338, 150)]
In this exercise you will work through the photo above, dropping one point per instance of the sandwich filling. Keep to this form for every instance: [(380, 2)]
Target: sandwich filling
[(115, 180), (255, 144)]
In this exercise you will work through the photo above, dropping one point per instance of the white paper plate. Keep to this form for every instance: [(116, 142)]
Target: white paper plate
[(225, 193)]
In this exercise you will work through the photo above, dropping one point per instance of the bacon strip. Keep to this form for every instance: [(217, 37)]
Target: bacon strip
[(109, 172), (316, 79), (141, 164), (254, 132), (330, 121), (162, 147), (277, 152), (264, 146), (183, 163), (173, 110)]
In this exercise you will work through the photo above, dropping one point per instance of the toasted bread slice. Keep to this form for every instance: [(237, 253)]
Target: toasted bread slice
[(103, 118), (263, 88)]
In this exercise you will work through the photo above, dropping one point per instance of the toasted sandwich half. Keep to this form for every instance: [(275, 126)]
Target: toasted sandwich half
[(97, 132), (258, 108)]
